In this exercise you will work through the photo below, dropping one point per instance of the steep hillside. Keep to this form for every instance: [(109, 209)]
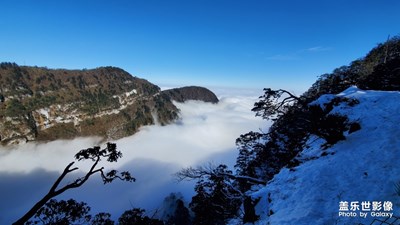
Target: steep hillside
[(263, 154), (362, 168), (331, 150), (47, 104)]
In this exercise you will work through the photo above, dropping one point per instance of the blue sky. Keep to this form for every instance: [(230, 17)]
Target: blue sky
[(235, 43)]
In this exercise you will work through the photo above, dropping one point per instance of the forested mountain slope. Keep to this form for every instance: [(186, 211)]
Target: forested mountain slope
[(46, 104)]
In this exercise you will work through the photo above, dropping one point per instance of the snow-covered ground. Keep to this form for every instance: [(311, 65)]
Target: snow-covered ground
[(360, 171)]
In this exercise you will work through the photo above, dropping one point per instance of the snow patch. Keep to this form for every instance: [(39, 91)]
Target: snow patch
[(364, 167), (127, 94), (44, 112)]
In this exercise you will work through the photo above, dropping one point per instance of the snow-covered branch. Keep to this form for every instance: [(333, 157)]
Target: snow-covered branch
[(191, 173)]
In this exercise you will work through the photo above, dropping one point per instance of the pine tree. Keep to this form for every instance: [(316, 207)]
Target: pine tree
[(216, 199), (181, 215)]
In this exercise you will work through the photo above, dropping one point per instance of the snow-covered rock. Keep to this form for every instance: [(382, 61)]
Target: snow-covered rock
[(359, 171)]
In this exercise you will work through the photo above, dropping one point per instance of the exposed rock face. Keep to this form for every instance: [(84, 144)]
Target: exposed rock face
[(47, 104), (191, 93)]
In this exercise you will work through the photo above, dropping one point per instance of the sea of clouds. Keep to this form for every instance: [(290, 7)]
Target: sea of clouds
[(204, 133)]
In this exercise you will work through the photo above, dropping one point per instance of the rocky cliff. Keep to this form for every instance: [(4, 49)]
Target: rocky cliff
[(41, 104)]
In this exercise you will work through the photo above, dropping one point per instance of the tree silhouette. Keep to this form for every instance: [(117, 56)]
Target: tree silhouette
[(181, 215), (95, 154), (102, 219), (210, 170), (216, 199), (62, 212), (275, 103), (136, 216)]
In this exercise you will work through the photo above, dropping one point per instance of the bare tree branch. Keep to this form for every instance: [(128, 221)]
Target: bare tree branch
[(208, 170), (94, 154), (275, 103)]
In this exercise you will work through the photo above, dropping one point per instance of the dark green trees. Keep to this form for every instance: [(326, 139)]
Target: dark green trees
[(71, 212), (15, 108), (62, 213), (216, 199), (136, 216), (102, 219), (181, 216), (174, 210)]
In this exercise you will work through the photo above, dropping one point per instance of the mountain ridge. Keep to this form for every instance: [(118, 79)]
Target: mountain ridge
[(191, 93), (41, 104)]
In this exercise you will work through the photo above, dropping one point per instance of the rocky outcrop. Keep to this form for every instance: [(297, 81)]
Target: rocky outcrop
[(41, 104), (191, 93)]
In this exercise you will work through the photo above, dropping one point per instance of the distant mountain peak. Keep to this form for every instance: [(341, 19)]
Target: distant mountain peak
[(191, 93)]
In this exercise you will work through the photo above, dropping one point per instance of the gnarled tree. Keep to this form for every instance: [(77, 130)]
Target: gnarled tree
[(275, 103), (95, 154)]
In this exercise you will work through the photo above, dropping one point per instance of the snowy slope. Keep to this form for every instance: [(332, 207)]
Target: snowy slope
[(364, 167)]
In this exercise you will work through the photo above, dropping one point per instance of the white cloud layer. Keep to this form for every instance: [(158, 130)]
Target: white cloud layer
[(206, 132)]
